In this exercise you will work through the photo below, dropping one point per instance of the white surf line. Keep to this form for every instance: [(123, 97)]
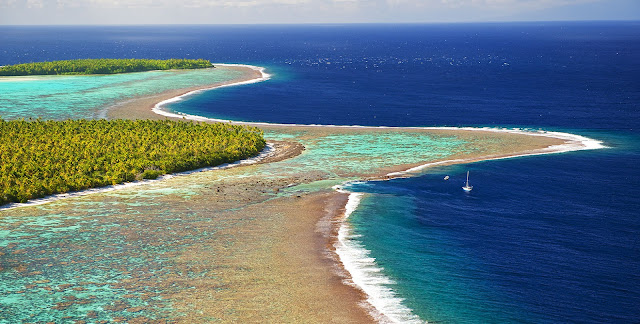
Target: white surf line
[(365, 274), (158, 107), (574, 142), (266, 152), (369, 277)]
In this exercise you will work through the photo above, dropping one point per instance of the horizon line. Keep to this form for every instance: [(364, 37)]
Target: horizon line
[(333, 23)]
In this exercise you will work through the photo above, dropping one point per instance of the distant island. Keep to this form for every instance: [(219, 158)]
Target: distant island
[(100, 66), (41, 158)]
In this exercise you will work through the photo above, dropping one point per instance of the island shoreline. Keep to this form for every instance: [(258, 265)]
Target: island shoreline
[(273, 151), (561, 142)]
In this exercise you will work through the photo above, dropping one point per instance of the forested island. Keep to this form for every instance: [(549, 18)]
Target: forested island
[(41, 158), (100, 66)]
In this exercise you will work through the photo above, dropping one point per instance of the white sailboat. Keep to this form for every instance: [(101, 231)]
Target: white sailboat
[(467, 187)]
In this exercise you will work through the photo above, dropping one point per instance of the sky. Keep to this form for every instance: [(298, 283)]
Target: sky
[(131, 12)]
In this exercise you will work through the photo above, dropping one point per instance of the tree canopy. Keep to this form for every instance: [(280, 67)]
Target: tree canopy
[(100, 66), (40, 158)]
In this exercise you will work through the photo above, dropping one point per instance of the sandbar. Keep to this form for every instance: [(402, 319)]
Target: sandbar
[(295, 273), (277, 261)]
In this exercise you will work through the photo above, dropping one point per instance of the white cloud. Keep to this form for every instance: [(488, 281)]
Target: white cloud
[(31, 4), (110, 3), (35, 4), (175, 3), (273, 11), (238, 4), (7, 3), (502, 5), (454, 3)]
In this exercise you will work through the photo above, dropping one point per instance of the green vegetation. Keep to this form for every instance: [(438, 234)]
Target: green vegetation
[(40, 158), (100, 66)]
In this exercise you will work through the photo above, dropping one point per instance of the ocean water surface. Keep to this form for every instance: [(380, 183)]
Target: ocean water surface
[(89, 96), (524, 246), (542, 239)]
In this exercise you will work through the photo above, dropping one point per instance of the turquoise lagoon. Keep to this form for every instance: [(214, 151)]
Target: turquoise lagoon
[(89, 96), (108, 256)]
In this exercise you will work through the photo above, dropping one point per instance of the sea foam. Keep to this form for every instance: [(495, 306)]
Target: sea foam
[(573, 142), (366, 274), (158, 107), (356, 259)]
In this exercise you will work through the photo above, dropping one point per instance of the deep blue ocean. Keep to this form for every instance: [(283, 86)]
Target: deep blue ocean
[(545, 239)]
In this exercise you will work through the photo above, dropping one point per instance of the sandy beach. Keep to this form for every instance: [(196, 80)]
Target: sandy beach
[(291, 272), (272, 255), (140, 107), (414, 172)]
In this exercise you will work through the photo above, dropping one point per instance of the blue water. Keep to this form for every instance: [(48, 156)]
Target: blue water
[(539, 239), (550, 239)]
